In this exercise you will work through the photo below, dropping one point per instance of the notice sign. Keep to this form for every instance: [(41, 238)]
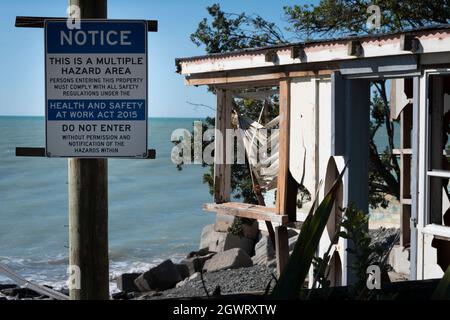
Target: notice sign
[(96, 89)]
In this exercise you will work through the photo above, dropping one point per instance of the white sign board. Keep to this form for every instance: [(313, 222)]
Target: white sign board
[(96, 89)]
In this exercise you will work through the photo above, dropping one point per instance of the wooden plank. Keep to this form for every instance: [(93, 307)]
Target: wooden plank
[(222, 170), (40, 152), (244, 210), (281, 248), (30, 152), (38, 22), (286, 203)]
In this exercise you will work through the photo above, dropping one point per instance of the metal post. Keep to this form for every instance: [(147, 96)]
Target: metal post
[(88, 207)]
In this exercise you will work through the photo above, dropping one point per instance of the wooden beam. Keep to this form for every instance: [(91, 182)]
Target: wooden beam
[(281, 248), (244, 79), (245, 210), (38, 22), (298, 52), (222, 170), (40, 152), (409, 43), (270, 56), (30, 152)]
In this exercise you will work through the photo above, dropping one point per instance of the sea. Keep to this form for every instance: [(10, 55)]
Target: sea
[(155, 210)]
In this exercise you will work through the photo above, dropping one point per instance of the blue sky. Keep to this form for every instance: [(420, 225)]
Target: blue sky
[(22, 50)]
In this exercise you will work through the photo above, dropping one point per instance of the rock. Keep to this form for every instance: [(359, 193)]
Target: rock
[(20, 293), (233, 241), (211, 239), (229, 259), (65, 291), (223, 222), (250, 231), (195, 264), (162, 277), (125, 282), (200, 253), (192, 277), (7, 286), (264, 251), (122, 296), (183, 270)]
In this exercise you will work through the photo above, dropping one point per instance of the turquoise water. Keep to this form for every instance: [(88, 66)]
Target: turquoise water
[(154, 210)]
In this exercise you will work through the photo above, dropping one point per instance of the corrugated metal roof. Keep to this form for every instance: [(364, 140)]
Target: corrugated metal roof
[(259, 50)]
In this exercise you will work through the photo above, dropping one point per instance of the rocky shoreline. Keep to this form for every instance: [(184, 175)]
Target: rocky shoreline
[(226, 263)]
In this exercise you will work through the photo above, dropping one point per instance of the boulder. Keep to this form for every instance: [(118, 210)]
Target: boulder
[(183, 270), (229, 259), (162, 277), (200, 253), (125, 282), (223, 222), (195, 264), (233, 241), (20, 293), (264, 251), (251, 231), (211, 239)]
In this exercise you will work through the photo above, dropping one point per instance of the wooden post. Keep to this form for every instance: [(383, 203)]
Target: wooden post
[(286, 203), (281, 248), (222, 170), (286, 187), (88, 207)]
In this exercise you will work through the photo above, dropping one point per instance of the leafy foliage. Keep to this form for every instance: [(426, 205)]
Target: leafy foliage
[(292, 279), (365, 252), (442, 291), (342, 17), (228, 32)]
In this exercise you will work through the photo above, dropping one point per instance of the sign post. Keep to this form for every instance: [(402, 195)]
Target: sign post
[(95, 109), (89, 106)]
